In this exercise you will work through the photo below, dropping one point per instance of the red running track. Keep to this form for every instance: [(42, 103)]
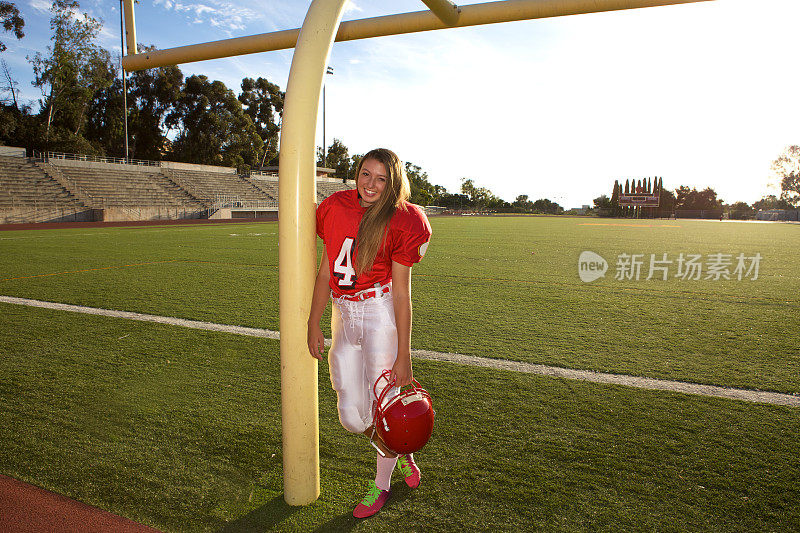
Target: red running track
[(177, 222), (28, 509)]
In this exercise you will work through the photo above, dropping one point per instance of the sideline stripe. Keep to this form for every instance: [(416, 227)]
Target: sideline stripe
[(747, 395)]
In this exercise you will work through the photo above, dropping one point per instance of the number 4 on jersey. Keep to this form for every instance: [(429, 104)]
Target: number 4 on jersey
[(343, 266)]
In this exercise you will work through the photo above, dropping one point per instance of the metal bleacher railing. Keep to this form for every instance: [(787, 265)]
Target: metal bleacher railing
[(236, 202), (45, 156)]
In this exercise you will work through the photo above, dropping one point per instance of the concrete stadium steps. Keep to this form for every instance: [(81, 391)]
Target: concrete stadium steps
[(23, 184), (324, 188), (122, 187), (178, 192), (268, 187), (208, 186), (327, 188)]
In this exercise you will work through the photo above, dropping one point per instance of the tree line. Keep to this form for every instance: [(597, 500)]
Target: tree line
[(786, 168), (81, 106)]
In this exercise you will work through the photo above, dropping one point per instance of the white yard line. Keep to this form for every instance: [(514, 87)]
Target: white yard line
[(194, 324), (470, 360), (747, 395)]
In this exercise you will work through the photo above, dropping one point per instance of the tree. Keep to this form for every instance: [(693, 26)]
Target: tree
[(263, 103), (74, 69), (681, 193), (152, 94), (468, 187), (212, 127), (479, 197), (707, 199), (603, 202), (355, 159), (547, 207), (771, 202), (104, 120), (696, 200), (422, 191), (741, 211), (11, 20), (787, 169), (8, 84), (523, 203), (454, 201), (338, 159), (438, 192), (666, 199)]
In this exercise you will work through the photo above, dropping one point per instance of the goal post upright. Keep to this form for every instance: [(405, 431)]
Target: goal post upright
[(297, 197), (130, 28)]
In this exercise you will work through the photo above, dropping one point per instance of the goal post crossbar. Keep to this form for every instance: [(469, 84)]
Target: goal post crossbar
[(417, 21)]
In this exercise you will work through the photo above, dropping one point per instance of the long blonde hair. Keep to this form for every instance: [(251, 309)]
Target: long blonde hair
[(372, 230)]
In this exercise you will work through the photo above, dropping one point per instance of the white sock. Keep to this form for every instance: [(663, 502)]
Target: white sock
[(383, 477)]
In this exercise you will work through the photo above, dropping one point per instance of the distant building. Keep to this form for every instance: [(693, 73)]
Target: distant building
[(432, 210), (778, 214)]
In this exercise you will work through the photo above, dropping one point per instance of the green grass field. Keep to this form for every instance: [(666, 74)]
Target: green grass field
[(180, 429)]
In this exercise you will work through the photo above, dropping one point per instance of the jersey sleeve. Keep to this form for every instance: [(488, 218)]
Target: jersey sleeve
[(410, 236), (322, 210)]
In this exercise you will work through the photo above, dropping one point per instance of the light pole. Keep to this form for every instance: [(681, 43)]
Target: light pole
[(122, 72), (328, 70)]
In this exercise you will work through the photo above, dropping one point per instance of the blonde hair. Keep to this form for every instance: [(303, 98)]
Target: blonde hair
[(372, 230)]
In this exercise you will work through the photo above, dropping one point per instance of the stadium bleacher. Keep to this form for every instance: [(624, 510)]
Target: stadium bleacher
[(208, 186), (118, 187), (54, 187), (27, 194), (326, 188)]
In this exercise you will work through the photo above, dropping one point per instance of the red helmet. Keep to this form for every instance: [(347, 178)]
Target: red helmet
[(405, 421)]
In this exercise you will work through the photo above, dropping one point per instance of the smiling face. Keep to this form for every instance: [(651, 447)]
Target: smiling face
[(371, 182)]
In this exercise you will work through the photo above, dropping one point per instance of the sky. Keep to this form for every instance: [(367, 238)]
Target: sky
[(703, 95)]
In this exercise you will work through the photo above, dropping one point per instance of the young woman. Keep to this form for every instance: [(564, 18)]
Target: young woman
[(372, 237)]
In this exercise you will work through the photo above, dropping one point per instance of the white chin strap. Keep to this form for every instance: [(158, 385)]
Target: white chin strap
[(372, 441)]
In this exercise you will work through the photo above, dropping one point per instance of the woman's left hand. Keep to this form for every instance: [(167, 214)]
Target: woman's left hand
[(402, 373)]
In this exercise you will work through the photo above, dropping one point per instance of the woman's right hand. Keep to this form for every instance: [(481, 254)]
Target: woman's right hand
[(316, 341)]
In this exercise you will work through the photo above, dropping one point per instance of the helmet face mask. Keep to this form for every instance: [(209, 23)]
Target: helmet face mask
[(405, 421)]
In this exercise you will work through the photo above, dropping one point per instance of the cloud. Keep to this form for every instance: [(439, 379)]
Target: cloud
[(106, 33), (351, 7), (42, 6), (229, 16)]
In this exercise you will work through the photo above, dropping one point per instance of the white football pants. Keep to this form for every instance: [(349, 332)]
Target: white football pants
[(364, 345)]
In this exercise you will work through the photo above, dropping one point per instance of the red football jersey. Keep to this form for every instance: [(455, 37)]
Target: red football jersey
[(338, 217)]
